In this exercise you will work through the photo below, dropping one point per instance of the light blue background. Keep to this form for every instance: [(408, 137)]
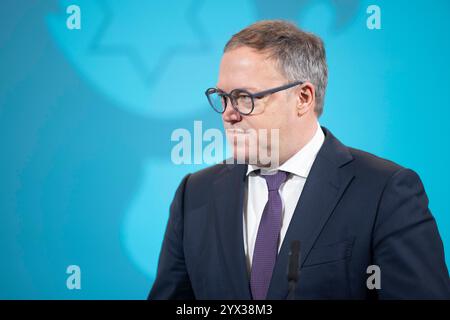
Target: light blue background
[(86, 118)]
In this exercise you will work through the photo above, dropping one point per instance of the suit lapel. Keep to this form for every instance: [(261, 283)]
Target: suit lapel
[(228, 200), (324, 187)]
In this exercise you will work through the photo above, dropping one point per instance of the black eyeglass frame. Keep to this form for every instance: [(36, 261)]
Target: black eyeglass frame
[(253, 96)]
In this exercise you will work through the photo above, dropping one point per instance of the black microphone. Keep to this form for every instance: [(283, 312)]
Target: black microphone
[(293, 271)]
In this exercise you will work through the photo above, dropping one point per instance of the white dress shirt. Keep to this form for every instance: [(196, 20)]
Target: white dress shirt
[(256, 193)]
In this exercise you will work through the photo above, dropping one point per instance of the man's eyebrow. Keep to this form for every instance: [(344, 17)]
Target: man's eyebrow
[(245, 88)]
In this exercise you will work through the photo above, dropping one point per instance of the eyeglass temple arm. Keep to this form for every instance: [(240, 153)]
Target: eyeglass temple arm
[(273, 90)]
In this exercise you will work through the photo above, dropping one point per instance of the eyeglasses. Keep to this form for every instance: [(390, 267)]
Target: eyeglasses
[(241, 100)]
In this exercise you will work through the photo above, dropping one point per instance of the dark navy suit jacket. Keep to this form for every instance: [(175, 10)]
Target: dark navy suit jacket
[(355, 210)]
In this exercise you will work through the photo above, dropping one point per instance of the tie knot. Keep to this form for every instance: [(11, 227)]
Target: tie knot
[(274, 181)]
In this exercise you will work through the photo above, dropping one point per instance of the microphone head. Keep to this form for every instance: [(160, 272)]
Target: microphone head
[(293, 263), (295, 246)]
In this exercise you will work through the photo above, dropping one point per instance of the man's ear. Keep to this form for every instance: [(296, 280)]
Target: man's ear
[(306, 98)]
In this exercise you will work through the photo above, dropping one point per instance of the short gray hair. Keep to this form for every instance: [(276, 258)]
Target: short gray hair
[(299, 55)]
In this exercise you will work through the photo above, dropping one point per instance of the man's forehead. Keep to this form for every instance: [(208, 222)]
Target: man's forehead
[(247, 79), (245, 68)]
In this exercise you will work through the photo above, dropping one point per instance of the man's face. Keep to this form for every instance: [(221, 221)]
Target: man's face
[(247, 69)]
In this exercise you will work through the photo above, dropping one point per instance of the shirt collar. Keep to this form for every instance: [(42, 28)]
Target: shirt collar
[(301, 162)]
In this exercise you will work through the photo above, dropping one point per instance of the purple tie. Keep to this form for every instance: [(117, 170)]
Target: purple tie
[(266, 246)]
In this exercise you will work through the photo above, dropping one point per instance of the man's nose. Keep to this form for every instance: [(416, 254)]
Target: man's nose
[(231, 115)]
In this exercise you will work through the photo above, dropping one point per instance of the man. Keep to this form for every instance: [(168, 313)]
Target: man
[(231, 226)]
